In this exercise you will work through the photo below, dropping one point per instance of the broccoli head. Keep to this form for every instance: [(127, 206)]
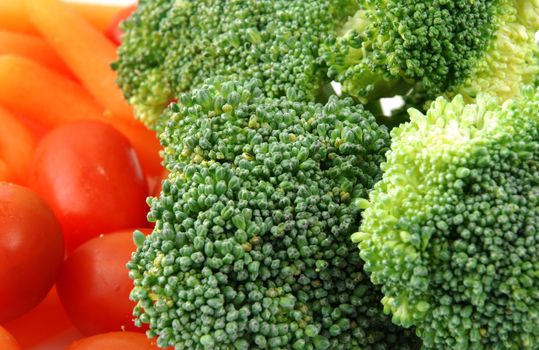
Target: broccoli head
[(251, 243), (452, 230), (171, 46), (436, 47)]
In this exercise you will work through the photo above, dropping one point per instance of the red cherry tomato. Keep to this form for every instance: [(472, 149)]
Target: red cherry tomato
[(31, 250), (94, 277), (114, 33), (115, 341), (91, 177), (7, 342)]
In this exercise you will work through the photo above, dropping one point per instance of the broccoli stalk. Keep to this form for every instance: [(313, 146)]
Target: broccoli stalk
[(451, 233)]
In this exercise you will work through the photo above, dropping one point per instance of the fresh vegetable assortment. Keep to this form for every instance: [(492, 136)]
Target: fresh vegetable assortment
[(290, 216)]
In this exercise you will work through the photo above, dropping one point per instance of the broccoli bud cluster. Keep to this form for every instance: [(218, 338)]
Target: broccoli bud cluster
[(251, 246), (452, 232)]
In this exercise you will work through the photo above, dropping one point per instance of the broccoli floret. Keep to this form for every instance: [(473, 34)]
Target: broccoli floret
[(452, 230), (251, 245), (172, 46), (438, 47)]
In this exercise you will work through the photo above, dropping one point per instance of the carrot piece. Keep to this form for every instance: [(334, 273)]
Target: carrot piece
[(16, 144), (43, 95), (145, 142), (5, 174), (100, 16), (85, 50), (32, 47), (13, 16)]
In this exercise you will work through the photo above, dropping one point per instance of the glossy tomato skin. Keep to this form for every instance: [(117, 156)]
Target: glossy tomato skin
[(94, 285), (114, 33), (31, 250), (7, 342), (91, 177), (115, 341)]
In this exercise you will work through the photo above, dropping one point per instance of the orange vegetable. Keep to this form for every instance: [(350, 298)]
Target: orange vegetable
[(16, 145), (145, 143), (7, 342), (85, 50), (32, 47), (47, 320), (115, 341), (5, 174), (43, 95), (13, 16)]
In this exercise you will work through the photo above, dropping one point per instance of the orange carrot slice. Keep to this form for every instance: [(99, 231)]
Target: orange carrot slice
[(32, 47), (13, 16), (85, 50), (43, 95), (16, 144)]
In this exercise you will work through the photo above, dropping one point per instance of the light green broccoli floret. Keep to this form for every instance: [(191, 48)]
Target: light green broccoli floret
[(436, 47), (171, 46), (251, 245), (452, 230)]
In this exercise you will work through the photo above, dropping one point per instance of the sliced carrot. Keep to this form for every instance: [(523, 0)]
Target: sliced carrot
[(145, 143), (100, 16), (13, 16), (16, 145), (43, 95), (85, 50), (32, 47)]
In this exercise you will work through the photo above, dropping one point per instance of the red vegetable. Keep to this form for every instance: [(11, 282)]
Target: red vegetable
[(31, 250), (91, 177), (114, 341), (114, 32), (95, 277)]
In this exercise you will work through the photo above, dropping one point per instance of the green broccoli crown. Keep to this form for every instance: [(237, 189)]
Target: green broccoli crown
[(451, 232), (251, 244), (438, 47), (172, 46)]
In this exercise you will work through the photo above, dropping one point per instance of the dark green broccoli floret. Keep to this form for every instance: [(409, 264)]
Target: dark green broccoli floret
[(172, 46), (437, 47), (452, 230), (251, 245)]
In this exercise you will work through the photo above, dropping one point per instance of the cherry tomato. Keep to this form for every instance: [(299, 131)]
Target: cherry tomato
[(7, 342), (94, 277), (115, 341), (91, 177), (114, 33), (31, 250)]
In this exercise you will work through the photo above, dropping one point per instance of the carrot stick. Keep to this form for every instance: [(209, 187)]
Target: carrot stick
[(34, 48), (85, 50), (13, 16), (100, 16), (4, 171), (43, 95), (16, 144), (145, 142)]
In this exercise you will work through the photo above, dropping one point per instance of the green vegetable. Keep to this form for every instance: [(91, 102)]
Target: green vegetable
[(172, 46), (436, 47), (251, 245), (452, 230)]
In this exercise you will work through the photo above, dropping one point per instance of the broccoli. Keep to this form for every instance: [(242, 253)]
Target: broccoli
[(251, 242), (438, 47), (172, 46), (452, 230)]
